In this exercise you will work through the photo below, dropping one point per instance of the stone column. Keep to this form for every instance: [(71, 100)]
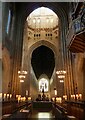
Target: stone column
[(84, 79), (17, 53)]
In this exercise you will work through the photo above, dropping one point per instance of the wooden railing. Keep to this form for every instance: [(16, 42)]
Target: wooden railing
[(75, 27), (59, 112), (76, 109), (8, 107)]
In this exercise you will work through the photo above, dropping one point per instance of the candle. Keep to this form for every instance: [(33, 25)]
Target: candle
[(59, 99), (71, 96), (19, 99), (74, 96), (0, 96), (65, 97), (53, 98), (10, 95), (29, 98), (7, 95), (55, 92), (17, 96), (24, 98), (77, 96), (80, 95), (4, 95)]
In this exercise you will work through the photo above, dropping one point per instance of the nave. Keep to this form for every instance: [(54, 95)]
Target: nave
[(42, 59)]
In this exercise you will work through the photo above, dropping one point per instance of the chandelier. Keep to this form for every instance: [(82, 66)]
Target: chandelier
[(61, 75), (21, 80), (61, 72), (22, 75), (22, 72)]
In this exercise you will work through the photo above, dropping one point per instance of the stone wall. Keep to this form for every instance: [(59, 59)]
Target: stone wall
[(6, 71)]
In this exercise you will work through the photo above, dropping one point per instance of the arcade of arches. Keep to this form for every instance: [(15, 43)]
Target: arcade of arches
[(43, 54)]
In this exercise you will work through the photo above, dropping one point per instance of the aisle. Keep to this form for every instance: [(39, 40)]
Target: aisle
[(42, 115)]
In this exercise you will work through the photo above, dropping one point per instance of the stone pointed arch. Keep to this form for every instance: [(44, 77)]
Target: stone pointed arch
[(43, 75), (45, 43), (57, 7)]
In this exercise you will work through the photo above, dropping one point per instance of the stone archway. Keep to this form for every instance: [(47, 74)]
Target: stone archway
[(45, 43), (36, 45), (60, 11), (63, 23), (43, 61)]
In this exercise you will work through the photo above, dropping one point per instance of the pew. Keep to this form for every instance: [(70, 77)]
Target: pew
[(59, 112), (20, 113)]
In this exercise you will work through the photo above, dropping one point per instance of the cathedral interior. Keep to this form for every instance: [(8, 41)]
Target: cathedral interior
[(42, 63)]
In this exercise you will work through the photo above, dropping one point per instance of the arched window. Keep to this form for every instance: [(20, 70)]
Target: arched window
[(8, 22), (42, 18), (43, 84)]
